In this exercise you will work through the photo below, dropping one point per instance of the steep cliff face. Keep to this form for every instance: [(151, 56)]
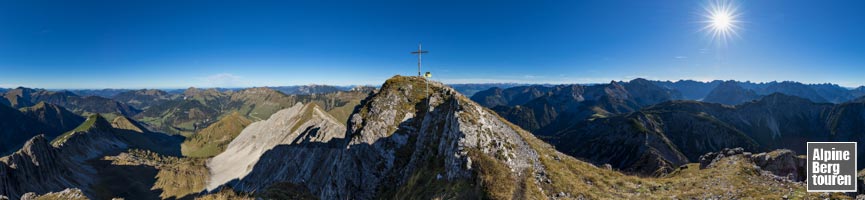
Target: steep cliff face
[(67, 161), (297, 124), (39, 167), (397, 137)]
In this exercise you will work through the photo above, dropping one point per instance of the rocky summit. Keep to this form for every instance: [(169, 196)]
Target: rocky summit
[(404, 135)]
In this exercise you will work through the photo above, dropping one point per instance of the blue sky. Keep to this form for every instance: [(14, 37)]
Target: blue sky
[(176, 44)]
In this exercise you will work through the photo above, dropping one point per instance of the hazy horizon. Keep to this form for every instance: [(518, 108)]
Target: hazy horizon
[(449, 83)]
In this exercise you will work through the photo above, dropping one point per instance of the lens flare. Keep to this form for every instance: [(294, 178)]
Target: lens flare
[(722, 20)]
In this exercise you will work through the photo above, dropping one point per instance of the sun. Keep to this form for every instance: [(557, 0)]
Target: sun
[(722, 20)]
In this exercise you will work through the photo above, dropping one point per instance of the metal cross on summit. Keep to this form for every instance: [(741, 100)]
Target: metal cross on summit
[(419, 52)]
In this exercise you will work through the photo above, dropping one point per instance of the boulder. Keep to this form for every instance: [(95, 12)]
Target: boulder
[(707, 159), (783, 162)]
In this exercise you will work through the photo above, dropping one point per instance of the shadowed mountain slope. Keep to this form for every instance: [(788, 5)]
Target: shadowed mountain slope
[(678, 132), (17, 127), (544, 110)]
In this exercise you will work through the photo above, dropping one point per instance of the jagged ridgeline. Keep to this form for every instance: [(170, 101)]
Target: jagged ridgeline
[(405, 143), (411, 139), (72, 160)]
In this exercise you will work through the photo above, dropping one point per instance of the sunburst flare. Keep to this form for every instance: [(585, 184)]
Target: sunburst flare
[(722, 21)]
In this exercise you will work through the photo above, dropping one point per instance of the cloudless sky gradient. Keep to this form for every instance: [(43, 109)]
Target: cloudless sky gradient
[(177, 44)]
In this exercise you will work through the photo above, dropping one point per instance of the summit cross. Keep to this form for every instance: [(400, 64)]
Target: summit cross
[(419, 52)]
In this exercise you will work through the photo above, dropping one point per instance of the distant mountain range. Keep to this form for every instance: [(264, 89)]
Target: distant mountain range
[(655, 126), (545, 109), (413, 138), (826, 92)]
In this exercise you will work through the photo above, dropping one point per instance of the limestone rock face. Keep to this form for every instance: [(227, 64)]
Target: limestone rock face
[(782, 162), (39, 167), (298, 124), (403, 131)]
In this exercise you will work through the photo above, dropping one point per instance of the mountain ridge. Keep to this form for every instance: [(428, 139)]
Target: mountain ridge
[(776, 121), (415, 138)]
